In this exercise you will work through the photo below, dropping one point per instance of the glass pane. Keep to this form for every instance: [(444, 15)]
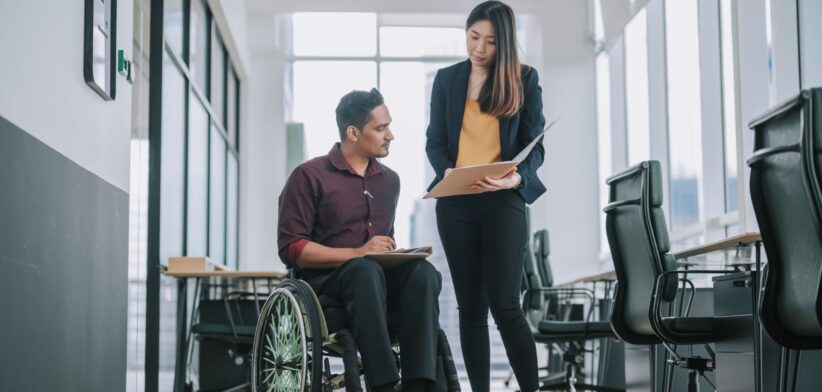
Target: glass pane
[(197, 60), (232, 205), (729, 107), (684, 115), (217, 94), (603, 138), (197, 178), (232, 107), (422, 41), (406, 92), (216, 199), (138, 204), (335, 34), (173, 24), (636, 89), (172, 165), (168, 332), (171, 206), (810, 33), (318, 88)]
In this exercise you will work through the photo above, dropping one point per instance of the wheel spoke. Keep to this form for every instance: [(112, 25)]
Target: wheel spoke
[(283, 363)]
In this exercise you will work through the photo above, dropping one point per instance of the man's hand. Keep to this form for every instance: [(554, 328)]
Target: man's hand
[(488, 184), (377, 244)]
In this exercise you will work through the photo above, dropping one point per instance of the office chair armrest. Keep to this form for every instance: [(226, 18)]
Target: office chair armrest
[(656, 303), (567, 292), (564, 293)]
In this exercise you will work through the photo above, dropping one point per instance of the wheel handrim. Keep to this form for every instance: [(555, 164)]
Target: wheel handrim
[(283, 362)]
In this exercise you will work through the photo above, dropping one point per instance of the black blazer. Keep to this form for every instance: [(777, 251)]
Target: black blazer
[(447, 108)]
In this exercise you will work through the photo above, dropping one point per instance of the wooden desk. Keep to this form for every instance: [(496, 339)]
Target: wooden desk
[(730, 242), (228, 274), (607, 276), (725, 293)]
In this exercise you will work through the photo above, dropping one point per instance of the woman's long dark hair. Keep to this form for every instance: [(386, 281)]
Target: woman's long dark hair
[(501, 94)]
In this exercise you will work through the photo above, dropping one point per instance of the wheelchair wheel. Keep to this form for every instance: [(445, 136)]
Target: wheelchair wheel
[(287, 351)]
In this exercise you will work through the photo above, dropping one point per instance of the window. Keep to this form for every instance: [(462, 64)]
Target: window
[(173, 165), (138, 203), (636, 89), (216, 198), (402, 41), (232, 211), (729, 106), (405, 86), (173, 24), (197, 179), (218, 75), (232, 107), (810, 52), (603, 82), (197, 47), (684, 114), (345, 34), (199, 165)]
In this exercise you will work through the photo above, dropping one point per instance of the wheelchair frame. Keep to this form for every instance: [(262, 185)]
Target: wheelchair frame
[(292, 345)]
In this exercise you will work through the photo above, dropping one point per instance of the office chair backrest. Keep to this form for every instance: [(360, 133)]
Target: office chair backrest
[(638, 238), (541, 253), (531, 276), (785, 192)]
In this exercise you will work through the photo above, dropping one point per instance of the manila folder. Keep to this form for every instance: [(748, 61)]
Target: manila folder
[(459, 180)]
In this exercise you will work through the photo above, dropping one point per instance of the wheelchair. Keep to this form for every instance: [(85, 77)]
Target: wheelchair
[(296, 334)]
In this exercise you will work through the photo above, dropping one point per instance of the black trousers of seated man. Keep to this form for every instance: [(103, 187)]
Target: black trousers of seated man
[(368, 291)]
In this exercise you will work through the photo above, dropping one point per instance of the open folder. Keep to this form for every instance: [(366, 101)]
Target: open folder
[(398, 256), (459, 180)]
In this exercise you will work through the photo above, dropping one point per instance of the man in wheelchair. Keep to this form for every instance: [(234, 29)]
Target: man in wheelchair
[(337, 208)]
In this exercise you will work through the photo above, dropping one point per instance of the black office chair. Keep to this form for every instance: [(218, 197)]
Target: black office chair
[(647, 275), (225, 330), (541, 251), (548, 310), (785, 192)]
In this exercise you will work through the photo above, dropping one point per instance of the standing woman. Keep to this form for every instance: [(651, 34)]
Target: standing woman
[(483, 110)]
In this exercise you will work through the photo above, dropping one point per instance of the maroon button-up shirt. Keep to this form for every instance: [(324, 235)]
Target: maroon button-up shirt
[(325, 201)]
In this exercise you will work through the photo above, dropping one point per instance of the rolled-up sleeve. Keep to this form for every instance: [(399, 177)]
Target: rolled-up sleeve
[(297, 211)]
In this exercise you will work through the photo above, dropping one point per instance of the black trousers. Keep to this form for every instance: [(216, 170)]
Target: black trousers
[(484, 238), (411, 289)]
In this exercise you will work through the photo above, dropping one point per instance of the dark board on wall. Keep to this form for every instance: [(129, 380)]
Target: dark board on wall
[(63, 271)]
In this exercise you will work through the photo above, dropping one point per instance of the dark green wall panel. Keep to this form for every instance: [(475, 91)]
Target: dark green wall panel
[(63, 271)]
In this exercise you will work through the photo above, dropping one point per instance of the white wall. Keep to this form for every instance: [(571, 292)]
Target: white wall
[(42, 89), (570, 209), (231, 17), (262, 146)]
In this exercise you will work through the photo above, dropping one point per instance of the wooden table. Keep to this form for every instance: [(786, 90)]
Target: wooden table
[(744, 239), (607, 276), (228, 274)]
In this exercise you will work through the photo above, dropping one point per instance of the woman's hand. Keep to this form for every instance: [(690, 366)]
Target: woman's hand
[(488, 184)]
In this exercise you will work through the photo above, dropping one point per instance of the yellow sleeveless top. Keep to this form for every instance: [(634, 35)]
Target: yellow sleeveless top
[(479, 137)]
